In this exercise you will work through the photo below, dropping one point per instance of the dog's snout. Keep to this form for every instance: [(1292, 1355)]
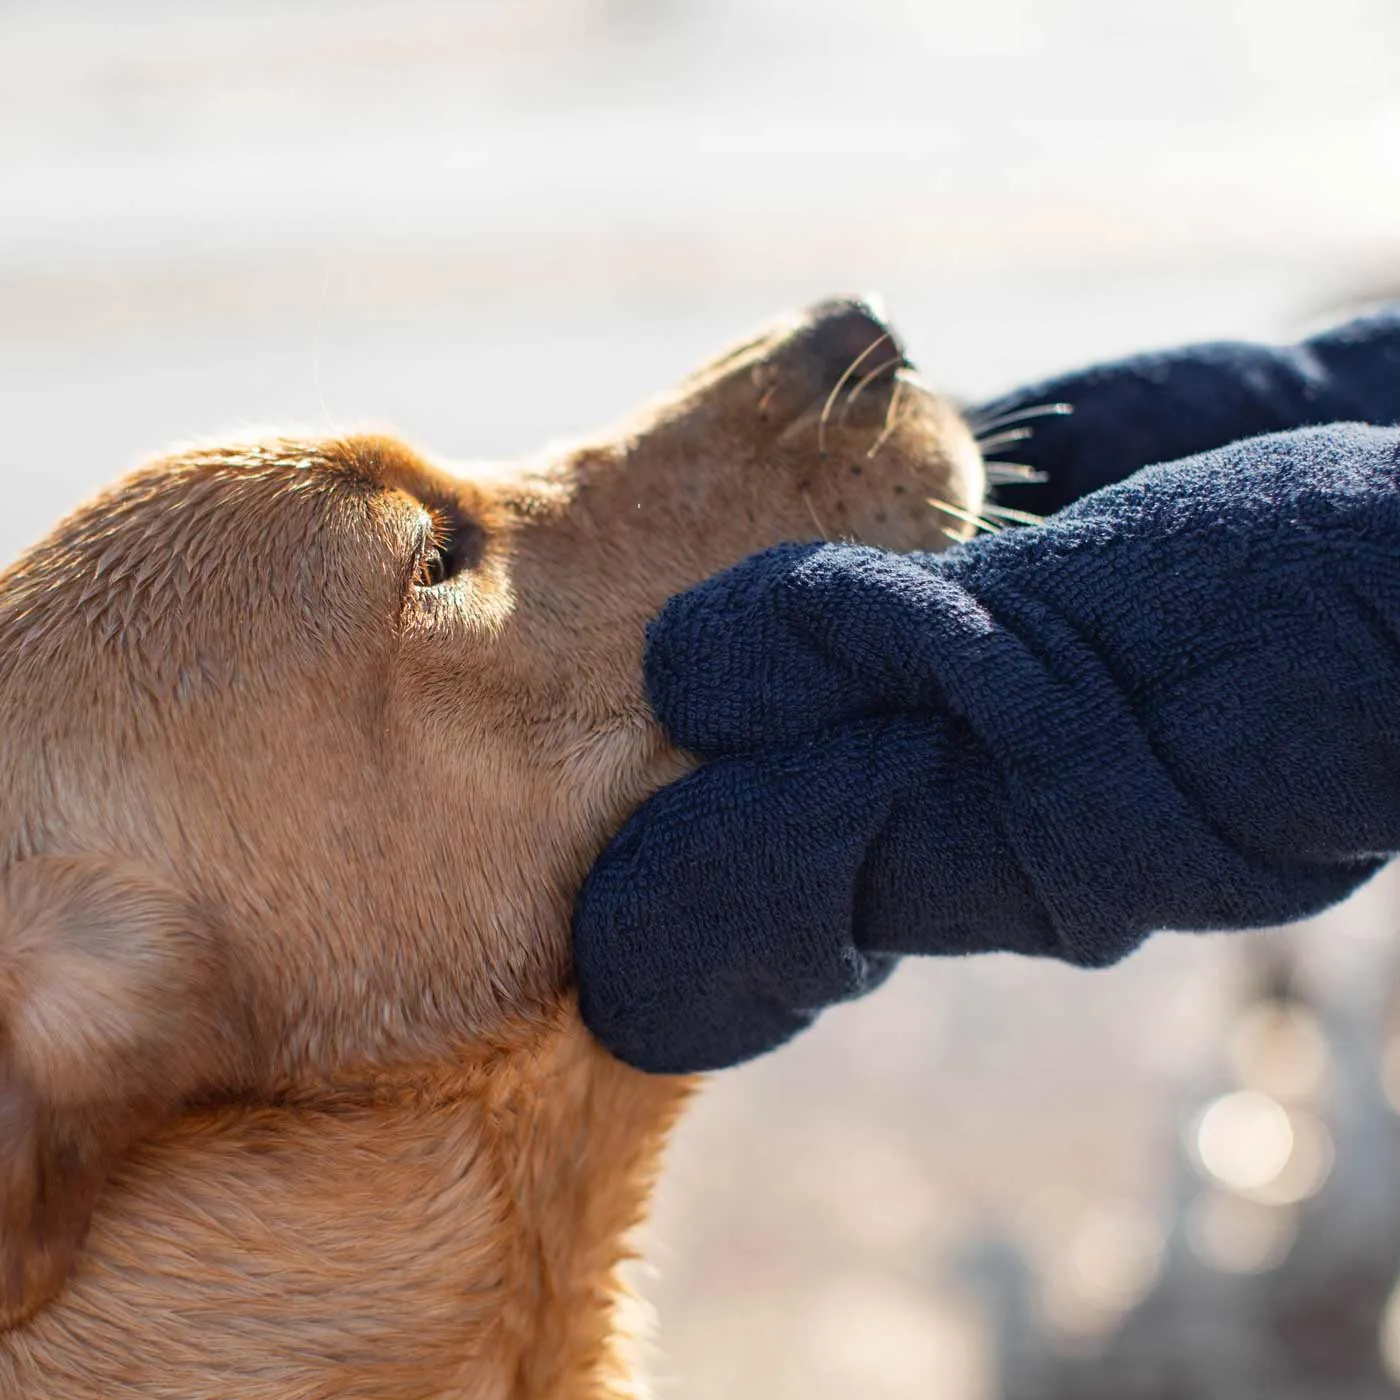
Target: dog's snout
[(845, 340), (833, 360)]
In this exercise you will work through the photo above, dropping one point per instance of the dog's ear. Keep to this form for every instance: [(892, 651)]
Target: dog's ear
[(113, 1008)]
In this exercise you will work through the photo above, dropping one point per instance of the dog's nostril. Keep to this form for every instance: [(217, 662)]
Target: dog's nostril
[(846, 340)]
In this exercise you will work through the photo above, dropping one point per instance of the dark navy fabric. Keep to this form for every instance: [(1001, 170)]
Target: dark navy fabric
[(1175, 403), (1175, 704)]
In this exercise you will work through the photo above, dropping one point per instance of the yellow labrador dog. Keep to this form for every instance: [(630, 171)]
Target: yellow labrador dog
[(307, 745)]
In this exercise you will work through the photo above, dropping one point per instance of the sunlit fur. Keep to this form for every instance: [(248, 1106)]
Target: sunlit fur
[(289, 848)]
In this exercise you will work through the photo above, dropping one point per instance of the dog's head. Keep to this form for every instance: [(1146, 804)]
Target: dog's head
[(320, 737), (373, 717)]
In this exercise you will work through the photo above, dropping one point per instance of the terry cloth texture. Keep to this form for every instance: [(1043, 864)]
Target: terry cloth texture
[(1175, 704)]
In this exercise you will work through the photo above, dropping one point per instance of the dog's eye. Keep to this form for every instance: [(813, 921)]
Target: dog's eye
[(432, 568), (448, 546)]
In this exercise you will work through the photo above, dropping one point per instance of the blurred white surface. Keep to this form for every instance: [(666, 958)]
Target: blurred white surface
[(489, 223)]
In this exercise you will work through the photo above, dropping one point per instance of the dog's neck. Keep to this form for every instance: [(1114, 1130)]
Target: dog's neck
[(583, 1135), (459, 1237)]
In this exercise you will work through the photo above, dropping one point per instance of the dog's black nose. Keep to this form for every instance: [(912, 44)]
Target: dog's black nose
[(846, 342)]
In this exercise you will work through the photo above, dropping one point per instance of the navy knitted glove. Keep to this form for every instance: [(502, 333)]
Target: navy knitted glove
[(1169, 707), (1177, 704)]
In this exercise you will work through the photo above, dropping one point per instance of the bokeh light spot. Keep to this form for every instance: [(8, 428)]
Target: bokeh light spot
[(1243, 1140)]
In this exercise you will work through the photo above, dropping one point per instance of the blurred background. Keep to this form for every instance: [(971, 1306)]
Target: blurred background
[(488, 224)]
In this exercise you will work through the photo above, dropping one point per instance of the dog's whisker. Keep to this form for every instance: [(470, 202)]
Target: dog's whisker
[(967, 517), (1014, 474), (891, 421), (816, 519), (866, 380), (1002, 439), (1017, 415), (1012, 517), (840, 384)]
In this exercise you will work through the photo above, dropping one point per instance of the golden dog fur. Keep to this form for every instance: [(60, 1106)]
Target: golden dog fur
[(294, 1101)]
